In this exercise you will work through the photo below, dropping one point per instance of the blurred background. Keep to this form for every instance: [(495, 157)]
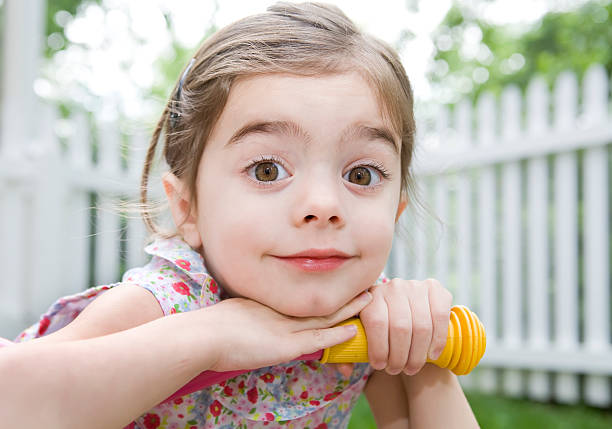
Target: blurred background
[(513, 168)]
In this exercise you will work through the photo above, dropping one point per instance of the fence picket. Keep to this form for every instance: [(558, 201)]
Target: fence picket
[(566, 237), (107, 222), (441, 191), (441, 250), (419, 234), (489, 307), (14, 310), (596, 236), (77, 210), (48, 196), (463, 122), (537, 231), (511, 233), (136, 231), (400, 255)]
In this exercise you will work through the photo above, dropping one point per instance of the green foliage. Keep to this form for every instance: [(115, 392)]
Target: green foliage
[(166, 69), (171, 68), (571, 40), (51, 24)]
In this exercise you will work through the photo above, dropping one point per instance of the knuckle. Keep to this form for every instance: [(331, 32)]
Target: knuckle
[(441, 316), (402, 326), (318, 337), (422, 327), (376, 323)]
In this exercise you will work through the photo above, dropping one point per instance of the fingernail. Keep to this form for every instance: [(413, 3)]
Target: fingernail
[(378, 365), (351, 328)]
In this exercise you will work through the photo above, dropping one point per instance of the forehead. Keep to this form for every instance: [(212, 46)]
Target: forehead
[(320, 104)]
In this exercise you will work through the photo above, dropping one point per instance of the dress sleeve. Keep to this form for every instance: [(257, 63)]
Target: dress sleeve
[(175, 291)]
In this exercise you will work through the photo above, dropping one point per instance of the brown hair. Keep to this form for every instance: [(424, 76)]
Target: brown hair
[(303, 39)]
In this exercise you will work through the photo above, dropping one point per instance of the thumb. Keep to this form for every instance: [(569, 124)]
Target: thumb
[(313, 340)]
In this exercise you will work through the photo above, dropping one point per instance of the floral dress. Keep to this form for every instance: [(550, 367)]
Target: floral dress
[(297, 394)]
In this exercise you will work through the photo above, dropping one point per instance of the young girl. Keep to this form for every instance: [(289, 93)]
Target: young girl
[(288, 141)]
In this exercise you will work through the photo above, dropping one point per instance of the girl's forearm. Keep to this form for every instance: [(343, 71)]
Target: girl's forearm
[(436, 400), (100, 382)]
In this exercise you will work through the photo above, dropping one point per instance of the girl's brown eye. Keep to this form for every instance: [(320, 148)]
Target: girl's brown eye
[(360, 176), (266, 171)]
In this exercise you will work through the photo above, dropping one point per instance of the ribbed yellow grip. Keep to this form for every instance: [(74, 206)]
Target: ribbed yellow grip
[(465, 344)]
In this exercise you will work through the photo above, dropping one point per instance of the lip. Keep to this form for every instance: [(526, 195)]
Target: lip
[(316, 260)]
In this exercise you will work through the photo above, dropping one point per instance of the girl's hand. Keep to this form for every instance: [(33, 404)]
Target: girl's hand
[(250, 335), (406, 322)]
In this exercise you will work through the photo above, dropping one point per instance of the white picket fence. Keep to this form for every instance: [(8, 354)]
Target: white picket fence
[(524, 237), (61, 229)]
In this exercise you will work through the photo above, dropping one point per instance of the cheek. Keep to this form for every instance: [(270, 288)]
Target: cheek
[(375, 229), (235, 232)]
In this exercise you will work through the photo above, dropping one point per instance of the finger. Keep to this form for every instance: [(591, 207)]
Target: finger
[(374, 318), (313, 340), (400, 327), (421, 327), (348, 310), (440, 300)]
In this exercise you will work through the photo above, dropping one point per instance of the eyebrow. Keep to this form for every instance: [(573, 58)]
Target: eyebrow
[(290, 128)]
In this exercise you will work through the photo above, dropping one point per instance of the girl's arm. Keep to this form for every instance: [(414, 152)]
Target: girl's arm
[(387, 399), (100, 372), (99, 382), (430, 399), (436, 400)]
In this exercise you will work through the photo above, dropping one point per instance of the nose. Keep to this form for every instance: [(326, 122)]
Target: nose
[(319, 205)]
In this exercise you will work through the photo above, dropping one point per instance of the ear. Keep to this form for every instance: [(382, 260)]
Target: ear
[(183, 214), (400, 207)]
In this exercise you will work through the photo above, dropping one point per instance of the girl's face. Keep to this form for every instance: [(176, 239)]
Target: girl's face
[(298, 192)]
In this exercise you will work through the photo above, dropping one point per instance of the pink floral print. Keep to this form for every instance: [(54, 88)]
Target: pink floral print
[(298, 394)]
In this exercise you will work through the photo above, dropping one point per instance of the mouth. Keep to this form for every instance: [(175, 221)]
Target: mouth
[(316, 260)]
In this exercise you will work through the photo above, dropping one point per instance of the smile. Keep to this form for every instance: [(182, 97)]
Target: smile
[(316, 260)]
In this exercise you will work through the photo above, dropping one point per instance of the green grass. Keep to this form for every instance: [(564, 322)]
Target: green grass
[(495, 412), (362, 416)]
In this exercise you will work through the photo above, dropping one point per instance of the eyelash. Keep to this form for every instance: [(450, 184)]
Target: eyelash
[(259, 160), (379, 167), (264, 158)]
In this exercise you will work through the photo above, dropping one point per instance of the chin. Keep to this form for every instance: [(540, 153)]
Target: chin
[(313, 307)]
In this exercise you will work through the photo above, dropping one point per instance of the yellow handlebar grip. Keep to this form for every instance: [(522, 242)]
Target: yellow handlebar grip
[(465, 344)]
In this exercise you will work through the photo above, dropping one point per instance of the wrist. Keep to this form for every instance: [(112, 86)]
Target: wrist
[(196, 340)]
